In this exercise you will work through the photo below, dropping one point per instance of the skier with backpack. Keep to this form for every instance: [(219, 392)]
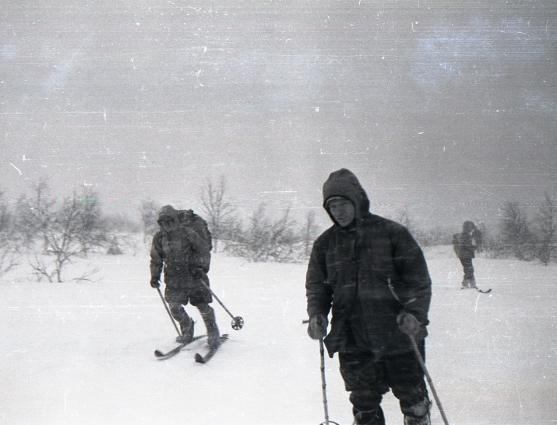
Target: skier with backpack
[(182, 247), (465, 245)]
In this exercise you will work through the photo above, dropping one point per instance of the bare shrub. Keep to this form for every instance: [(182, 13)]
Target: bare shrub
[(309, 233), (515, 233), (267, 239), (67, 229), (545, 231), (9, 242), (149, 211), (220, 211)]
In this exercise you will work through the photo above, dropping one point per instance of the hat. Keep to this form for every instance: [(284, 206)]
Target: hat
[(468, 226), (334, 198), (167, 212)]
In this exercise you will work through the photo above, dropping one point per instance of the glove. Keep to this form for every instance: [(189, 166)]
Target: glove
[(317, 327), (155, 282), (408, 324)]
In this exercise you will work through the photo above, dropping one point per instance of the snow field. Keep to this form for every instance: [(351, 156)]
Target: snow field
[(82, 353)]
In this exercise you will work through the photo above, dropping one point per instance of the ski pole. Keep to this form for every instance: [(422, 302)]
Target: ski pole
[(421, 359), (237, 322), (323, 381), (168, 311), (324, 384), (429, 380)]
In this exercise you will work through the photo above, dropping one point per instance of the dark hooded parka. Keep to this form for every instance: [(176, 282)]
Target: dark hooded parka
[(178, 252), (351, 268), (468, 236)]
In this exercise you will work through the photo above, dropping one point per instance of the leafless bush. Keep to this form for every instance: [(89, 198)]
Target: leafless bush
[(266, 239), (49, 271), (545, 231), (87, 276), (43, 270), (219, 210), (9, 259), (67, 230), (309, 233), (149, 210), (9, 241), (515, 235)]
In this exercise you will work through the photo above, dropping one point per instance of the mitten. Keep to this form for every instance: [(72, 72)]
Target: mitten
[(155, 282), (317, 327), (408, 324)]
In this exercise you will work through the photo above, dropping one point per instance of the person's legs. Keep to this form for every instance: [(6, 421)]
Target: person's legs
[(369, 411), (470, 274), (468, 280), (208, 315), (363, 378), (406, 379), (176, 299), (200, 297)]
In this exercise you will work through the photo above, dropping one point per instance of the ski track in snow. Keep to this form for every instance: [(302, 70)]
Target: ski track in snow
[(82, 353)]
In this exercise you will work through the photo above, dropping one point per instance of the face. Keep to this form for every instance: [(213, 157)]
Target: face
[(342, 211), (168, 224)]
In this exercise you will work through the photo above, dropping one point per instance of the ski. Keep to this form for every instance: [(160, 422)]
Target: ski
[(478, 289), (205, 358), (176, 350)]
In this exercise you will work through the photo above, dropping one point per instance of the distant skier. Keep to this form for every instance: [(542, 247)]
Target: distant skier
[(465, 245), (372, 274), (184, 255)]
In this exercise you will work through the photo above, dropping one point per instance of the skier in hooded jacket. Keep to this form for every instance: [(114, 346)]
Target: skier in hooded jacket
[(184, 255), (469, 241), (373, 276)]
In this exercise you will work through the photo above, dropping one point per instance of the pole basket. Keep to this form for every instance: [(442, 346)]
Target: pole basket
[(237, 323)]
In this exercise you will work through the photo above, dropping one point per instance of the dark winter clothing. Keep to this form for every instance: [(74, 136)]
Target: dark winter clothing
[(185, 257), (178, 252), (469, 240), (358, 271), (468, 269), (350, 270), (400, 372)]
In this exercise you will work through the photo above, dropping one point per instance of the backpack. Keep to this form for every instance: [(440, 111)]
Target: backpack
[(191, 220), (456, 244)]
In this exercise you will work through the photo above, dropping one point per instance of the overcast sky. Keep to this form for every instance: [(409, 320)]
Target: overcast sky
[(444, 108)]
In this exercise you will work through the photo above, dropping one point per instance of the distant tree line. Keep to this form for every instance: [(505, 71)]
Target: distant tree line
[(51, 233), (282, 239), (518, 235), (260, 237)]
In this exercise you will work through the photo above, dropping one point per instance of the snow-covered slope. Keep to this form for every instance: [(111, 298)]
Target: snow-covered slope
[(82, 353)]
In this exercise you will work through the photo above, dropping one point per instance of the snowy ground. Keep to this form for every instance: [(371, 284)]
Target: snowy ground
[(82, 353)]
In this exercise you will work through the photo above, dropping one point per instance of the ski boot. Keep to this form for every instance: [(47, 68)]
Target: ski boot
[(213, 336), (421, 409), (410, 420), (187, 331), (370, 417)]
